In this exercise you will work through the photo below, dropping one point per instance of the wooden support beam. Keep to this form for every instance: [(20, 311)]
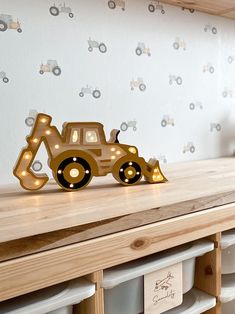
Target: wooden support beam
[(208, 272)]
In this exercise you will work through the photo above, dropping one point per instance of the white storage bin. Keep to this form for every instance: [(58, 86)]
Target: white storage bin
[(228, 252), (194, 302), (58, 299), (124, 284), (227, 296)]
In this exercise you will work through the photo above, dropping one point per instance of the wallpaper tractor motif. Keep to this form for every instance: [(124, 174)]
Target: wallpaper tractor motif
[(167, 120), (155, 5), (189, 147), (215, 126), (30, 119), (194, 105), (129, 124), (55, 11), (80, 152), (90, 91), (174, 78), (4, 77), (179, 43), (6, 22), (51, 67), (187, 9), (142, 49), (209, 68), (95, 44), (139, 83), (210, 28), (231, 59), (162, 158), (112, 4), (227, 93)]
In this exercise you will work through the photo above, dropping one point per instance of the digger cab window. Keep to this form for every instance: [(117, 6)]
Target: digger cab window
[(91, 136), (75, 136)]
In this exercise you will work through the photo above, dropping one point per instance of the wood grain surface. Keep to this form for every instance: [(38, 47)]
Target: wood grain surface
[(26, 274), (105, 206)]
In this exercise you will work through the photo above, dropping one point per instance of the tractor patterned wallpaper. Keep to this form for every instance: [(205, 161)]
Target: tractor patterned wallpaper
[(163, 75)]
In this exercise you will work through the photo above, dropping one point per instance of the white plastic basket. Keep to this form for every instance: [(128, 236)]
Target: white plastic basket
[(124, 284), (194, 302), (58, 299), (228, 252), (227, 296)]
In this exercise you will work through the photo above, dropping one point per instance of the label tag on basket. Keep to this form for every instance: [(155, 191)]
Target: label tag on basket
[(163, 289)]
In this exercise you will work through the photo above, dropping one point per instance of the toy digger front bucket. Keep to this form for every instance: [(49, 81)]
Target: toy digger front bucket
[(152, 172), (22, 171)]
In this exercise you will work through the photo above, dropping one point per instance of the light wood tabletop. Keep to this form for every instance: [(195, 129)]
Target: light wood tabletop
[(192, 186)]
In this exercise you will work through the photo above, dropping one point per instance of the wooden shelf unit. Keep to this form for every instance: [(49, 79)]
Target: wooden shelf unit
[(106, 225), (225, 8)]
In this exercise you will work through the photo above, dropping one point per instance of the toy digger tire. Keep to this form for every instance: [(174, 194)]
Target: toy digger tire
[(82, 173), (71, 15), (212, 70), (41, 72), (81, 94), (127, 172), (111, 4), (90, 49), (191, 10), (3, 26), (163, 11), (56, 71), (5, 79), (54, 11), (19, 30), (151, 8), (179, 80)]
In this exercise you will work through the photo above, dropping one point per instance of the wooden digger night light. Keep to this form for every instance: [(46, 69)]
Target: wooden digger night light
[(79, 153)]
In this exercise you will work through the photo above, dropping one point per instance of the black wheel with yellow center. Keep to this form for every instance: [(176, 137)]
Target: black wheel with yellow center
[(129, 173), (73, 173)]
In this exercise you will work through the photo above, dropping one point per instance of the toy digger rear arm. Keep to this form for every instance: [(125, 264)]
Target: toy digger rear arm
[(42, 132)]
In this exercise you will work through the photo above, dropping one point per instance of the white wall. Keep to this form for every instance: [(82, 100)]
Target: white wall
[(64, 39)]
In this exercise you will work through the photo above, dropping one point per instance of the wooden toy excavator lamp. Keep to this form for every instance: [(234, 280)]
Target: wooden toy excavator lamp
[(79, 153)]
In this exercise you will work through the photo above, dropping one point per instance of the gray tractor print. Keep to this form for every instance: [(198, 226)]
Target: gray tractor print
[(95, 44), (37, 166), (194, 105), (56, 10), (139, 83), (162, 158), (227, 93), (167, 120), (51, 67), (4, 77), (129, 124), (189, 148), (209, 68), (215, 126), (179, 43), (174, 78), (190, 10), (30, 120), (112, 4), (231, 59), (6, 22), (91, 91), (155, 5), (142, 49), (211, 28)]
